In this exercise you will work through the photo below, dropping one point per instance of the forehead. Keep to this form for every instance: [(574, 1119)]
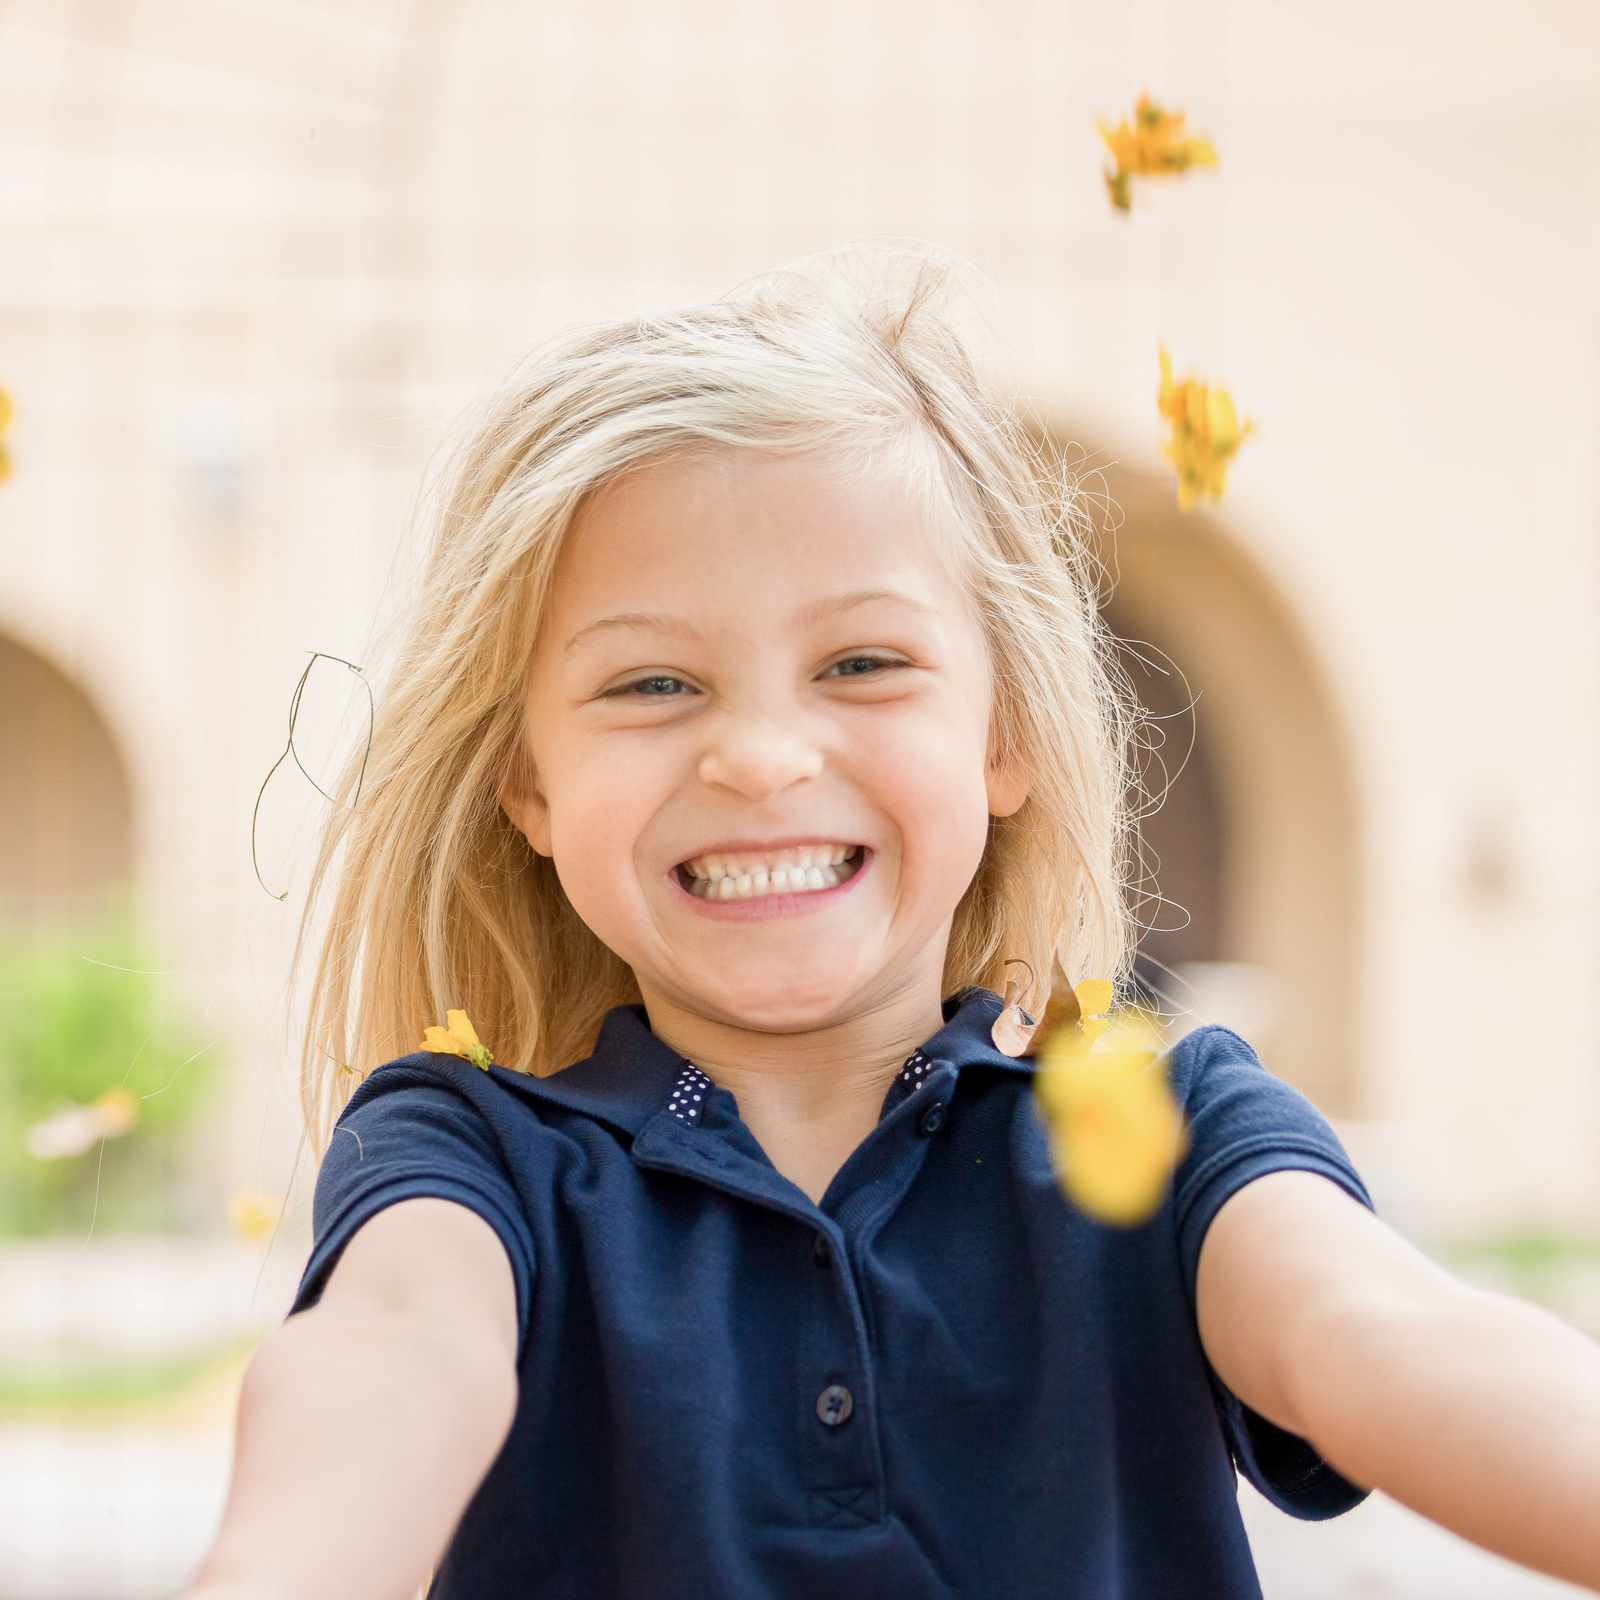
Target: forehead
[(742, 526)]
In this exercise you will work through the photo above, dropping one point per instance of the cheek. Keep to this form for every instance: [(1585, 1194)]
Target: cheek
[(600, 815), (932, 788), (600, 883)]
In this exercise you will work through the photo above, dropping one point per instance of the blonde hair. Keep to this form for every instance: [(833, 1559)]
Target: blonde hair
[(440, 901)]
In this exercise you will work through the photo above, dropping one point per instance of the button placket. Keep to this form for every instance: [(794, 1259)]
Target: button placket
[(838, 1454)]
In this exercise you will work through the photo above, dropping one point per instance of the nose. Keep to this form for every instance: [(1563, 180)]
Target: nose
[(758, 758)]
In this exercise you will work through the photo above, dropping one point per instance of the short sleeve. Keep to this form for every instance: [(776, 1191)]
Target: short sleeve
[(405, 1133), (1244, 1122)]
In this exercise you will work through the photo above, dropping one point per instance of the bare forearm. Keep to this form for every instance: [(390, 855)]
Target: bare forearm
[(358, 1444), (1481, 1412)]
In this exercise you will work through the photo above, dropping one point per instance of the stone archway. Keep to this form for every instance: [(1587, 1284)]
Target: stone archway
[(65, 795)]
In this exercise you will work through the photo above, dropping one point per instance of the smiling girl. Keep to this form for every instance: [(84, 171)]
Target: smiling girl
[(755, 739), (754, 712)]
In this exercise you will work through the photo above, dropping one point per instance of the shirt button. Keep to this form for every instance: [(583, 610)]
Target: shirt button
[(819, 1251), (834, 1404), (932, 1118)]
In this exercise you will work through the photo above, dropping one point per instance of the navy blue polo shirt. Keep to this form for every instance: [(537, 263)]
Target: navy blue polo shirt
[(942, 1380)]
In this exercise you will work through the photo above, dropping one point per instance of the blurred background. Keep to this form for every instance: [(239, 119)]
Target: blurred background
[(254, 260)]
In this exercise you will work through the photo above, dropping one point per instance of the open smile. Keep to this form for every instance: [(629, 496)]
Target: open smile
[(759, 907)]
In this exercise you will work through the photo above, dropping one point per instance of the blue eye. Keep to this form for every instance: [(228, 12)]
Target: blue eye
[(635, 688)]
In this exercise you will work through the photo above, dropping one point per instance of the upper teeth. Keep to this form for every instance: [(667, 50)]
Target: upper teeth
[(804, 856)]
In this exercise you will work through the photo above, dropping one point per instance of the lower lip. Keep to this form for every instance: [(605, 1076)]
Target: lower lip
[(761, 907)]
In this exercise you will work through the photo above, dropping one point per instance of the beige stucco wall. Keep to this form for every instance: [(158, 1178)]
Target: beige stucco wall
[(252, 260)]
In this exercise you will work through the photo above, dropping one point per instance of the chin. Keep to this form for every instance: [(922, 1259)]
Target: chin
[(779, 1006)]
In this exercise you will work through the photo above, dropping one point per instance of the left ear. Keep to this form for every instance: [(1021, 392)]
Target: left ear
[(1008, 784)]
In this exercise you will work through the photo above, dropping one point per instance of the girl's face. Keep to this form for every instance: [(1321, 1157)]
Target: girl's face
[(761, 704)]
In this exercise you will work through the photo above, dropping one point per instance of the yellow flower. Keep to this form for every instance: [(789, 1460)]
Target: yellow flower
[(1116, 1131), (7, 412), (254, 1214), (459, 1039), (74, 1129), (1065, 1005), (1152, 145), (1206, 432), (1094, 1001), (118, 1110)]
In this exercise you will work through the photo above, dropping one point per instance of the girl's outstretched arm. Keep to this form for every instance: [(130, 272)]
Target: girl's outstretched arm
[(351, 1471), (367, 1422), (1478, 1410)]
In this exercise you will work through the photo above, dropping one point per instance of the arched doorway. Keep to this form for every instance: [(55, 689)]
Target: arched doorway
[(67, 845), (1256, 843)]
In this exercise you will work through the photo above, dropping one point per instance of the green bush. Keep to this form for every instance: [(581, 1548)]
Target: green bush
[(73, 1025)]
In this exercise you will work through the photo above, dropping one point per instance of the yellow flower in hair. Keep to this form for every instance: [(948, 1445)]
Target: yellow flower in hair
[(1152, 145), (1206, 432), (1116, 1132), (459, 1039)]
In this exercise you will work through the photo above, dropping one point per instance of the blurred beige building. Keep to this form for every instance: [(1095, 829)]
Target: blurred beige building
[(254, 259)]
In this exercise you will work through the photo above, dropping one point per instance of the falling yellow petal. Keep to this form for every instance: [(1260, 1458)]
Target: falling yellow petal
[(1065, 1005), (1094, 996), (118, 1110), (1152, 144), (1116, 1132), (254, 1214), (1223, 421), (1206, 431), (460, 1038), (74, 1129), (1094, 999)]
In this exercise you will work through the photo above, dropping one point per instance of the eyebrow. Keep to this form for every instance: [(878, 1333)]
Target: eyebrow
[(812, 611)]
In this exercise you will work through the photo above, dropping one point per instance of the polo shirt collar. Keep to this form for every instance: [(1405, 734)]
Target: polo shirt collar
[(632, 1075)]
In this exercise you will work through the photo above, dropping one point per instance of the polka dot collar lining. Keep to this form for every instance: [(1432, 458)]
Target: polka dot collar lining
[(687, 1099)]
